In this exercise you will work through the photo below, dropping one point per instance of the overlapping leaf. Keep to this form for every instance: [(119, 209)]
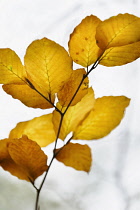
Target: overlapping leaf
[(119, 37), (22, 158), (76, 156), (68, 90), (12, 75), (107, 114), (28, 96), (39, 129), (74, 115), (116, 56), (114, 42), (48, 65), (82, 45), (119, 30)]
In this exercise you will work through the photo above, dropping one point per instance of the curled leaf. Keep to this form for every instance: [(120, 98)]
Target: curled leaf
[(68, 90), (23, 158), (76, 156)]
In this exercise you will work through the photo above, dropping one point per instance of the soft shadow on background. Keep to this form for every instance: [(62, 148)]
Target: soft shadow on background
[(114, 181)]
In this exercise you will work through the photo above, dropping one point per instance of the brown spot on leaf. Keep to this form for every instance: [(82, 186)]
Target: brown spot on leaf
[(86, 38), (77, 53)]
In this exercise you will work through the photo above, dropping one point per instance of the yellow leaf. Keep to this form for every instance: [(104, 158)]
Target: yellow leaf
[(106, 115), (116, 56), (74, 115), (22, 158), (39, 129), (11, 68), (119, 30), (68, 90), (76, 156), (27, 95), (48, 65), (82, 45)]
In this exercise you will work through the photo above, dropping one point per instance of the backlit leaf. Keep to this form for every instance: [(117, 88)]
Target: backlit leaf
[(11, 68), (68, 90), (48, 65), (106, 115), (39, 129), (82, 45), (22, 158), (27, 95), (116, 56), (76, 156), (119, 30), (74, 115)]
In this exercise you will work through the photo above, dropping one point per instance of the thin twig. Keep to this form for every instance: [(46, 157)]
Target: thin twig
[(59, 129), (48, 100), (42, 183), (37, 199), (84, 76), (56, 153)]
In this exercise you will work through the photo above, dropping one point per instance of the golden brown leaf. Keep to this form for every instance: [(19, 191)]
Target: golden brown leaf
[(116, 56), (27, 95), (119, 30), (74, 115), (39, 129), (11, 68), (76, 156), (22, 158), (82, 45), (68, 90), (106, 115), (48, 65)]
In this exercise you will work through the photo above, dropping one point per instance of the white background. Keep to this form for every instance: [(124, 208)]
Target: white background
[(114, 181)]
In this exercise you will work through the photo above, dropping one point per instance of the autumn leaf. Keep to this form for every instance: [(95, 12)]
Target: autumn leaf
[(119, 36), (28, 96), (120, 30), (11, 68), (117, 56), (13, 76), (74, 115), (76, 156), (48, 65), (23, 158), (107, 114), (82, 44), (68, 90), (39, 129)]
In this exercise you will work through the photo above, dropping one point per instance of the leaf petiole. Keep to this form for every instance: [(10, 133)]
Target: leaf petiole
[(48, 100)]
